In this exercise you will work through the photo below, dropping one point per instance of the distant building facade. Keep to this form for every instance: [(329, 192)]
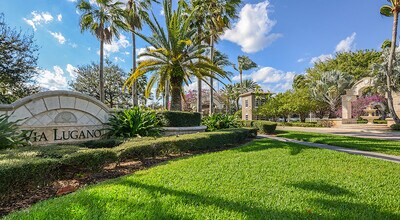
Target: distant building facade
[(250, 103)]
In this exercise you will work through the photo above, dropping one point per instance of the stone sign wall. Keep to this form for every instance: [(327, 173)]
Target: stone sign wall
[(59, 117)]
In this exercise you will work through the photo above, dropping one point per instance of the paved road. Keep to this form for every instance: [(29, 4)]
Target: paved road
[(374, 134), (391, 158)]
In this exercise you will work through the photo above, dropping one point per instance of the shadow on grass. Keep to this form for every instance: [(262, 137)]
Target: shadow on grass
[(250, 211), (374, 145), (322, 187), (265, 144)]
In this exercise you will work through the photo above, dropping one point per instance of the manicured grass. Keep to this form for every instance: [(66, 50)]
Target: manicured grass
[(265, 179), (367, 144)]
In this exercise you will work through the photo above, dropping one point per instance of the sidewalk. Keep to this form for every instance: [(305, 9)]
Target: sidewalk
[(391, 158), (378, 134)]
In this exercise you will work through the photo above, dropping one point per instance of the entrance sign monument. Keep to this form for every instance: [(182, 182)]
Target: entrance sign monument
[(59, 117)]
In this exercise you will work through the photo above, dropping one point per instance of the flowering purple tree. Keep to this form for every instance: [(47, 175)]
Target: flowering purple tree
[(361, 103)]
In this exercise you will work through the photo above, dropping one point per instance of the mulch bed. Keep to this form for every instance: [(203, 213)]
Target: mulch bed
[(24, 199)]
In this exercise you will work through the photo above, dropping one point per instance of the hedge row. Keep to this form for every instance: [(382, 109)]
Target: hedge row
[(266, 127), (24, 169), (179, 119)]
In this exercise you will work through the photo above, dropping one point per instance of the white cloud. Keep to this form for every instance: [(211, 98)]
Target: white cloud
[(321, 58), (38, 18), (115, 45), (119, 59), (270, 79), (58, 36), (59, 17), (141, 51), (301, 60), (72, 71), (72, 0), (252, 31), (52, 80), (73, 45), (347, 44)]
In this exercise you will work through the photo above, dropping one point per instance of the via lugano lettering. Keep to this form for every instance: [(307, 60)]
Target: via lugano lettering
[(64, 135)]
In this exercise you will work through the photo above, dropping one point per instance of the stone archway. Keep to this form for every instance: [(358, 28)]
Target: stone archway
[(351, 95)]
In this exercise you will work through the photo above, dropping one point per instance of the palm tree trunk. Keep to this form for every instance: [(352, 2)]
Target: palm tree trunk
[(166, 95), (199, 101), (102, 98), (134, 85), (176, 95), (390, 68), (211, 79)]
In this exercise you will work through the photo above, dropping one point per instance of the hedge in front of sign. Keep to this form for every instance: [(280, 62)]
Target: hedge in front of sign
[(35, 166), (179, 119)]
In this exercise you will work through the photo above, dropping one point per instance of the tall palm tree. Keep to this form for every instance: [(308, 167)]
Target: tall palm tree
[(175, 57), (211, 18), (244, 63), (136, 10), (220, 12), (391, 10), (103, 19)]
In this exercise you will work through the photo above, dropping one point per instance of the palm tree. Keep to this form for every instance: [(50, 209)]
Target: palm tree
[(136, 10), (212, 17), (220, 13), (175, 57), (330, 88), (103, 19), (244, 63), (391, 10)]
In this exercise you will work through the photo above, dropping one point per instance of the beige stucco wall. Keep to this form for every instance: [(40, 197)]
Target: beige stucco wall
[(59, 117)]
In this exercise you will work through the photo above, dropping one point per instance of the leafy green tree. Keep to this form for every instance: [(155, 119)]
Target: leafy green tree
[(391, 10), (18, 63), (302, 103), (358, 64), (88, 79), (136, 10), (104, 20), (176, 56), (244, 63), (330, 87)]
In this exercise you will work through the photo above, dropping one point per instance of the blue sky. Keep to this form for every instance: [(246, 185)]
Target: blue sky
[(283, 37)]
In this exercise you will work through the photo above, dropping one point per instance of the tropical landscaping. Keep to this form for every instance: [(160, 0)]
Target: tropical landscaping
[(190, 132)]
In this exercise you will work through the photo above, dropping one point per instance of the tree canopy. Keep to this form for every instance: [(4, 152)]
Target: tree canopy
[(18, 63), (358, 64), (87, 82)]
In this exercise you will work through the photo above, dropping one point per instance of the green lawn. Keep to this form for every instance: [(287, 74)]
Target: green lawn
[(265, 179), (367, 144)]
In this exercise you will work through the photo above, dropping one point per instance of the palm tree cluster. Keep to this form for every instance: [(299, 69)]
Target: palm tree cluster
[(180, 49)]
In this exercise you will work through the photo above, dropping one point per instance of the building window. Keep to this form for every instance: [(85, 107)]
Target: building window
[(247, 117), (246, 103)]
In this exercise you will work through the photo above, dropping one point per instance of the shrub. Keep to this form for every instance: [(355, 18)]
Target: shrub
[(184, 143), (88, 160), (238, 114), (301, 124), (179, 119), (9, 134), (247, 123), (395, 127), (104, 143), (219, 121), (266, 127), (133, 122)]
